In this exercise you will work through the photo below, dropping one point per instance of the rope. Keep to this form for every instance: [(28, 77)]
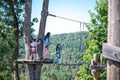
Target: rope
[(67, 19)]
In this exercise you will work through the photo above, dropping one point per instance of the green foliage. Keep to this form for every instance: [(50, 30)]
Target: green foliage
[(98, 36), (8, 30), (6, 53), (72, 50), (11, 28), (84, 72), (55, 72), (71, 42), (35, 20)]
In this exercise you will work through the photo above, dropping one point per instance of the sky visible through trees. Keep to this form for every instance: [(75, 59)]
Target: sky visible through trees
[(72, 9)]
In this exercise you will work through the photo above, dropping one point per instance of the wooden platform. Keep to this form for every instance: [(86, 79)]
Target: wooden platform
[(47, 61), (26, 61)]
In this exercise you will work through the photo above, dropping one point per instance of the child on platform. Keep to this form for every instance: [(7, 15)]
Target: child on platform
[(58, 51), (46, 44), (34, 44)]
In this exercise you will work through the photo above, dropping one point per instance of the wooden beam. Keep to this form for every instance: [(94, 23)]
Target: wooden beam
[(111, 52), (25, 61), (98, 67)]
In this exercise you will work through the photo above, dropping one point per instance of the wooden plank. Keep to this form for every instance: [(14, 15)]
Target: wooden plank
[(43, 61), (98, 67), (111, 52)]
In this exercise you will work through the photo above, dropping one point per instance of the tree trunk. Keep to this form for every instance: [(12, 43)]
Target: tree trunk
[(44, 15), (27, 28), (16, 33), (113, 67), (41, 33), (34, 70)]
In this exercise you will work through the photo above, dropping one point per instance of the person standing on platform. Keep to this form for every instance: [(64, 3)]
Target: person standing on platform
[(46, 44), (34, 44), (58, 51)]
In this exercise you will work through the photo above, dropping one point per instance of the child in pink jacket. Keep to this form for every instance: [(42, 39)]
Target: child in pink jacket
[(34, 44)]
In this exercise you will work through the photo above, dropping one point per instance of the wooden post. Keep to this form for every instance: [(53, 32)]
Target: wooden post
[(15, 70), (101, 59), (95, 73), (113, 66), (41, 33), (96, 68)]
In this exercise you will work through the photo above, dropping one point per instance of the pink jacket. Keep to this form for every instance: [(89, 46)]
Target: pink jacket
[(34, 44)]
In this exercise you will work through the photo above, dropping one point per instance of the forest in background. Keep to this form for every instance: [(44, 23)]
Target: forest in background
[(73, 49)]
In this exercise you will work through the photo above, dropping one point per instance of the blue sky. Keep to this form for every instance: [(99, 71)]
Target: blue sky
[(72, 9)]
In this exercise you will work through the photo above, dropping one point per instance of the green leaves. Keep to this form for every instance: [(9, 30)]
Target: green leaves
[(6, 53), (35, 20), (10, 23), (98, 36)]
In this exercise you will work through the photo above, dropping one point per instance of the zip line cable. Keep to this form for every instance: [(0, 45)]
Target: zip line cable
[(67, 18)]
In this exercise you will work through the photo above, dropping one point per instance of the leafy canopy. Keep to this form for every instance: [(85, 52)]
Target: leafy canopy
[(98, 36)]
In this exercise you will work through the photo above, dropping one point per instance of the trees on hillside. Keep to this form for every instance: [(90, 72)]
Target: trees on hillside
[(98, 34), (10, 23)]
